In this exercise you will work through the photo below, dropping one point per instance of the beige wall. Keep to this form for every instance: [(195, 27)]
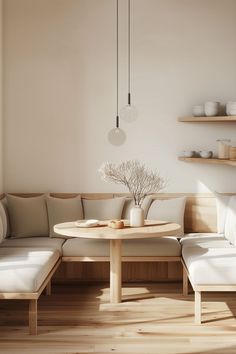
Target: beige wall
[(60, 96), (1, 136)]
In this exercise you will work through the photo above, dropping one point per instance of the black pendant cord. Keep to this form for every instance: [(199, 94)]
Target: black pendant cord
[(129, 35), (117, 65)]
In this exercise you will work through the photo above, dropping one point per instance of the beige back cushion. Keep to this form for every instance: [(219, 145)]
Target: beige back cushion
[(103, 209), (1, 231), (28, 216), (4, 219), (171, 210), (230, 223), (63, 210), (222, 202), (129, 204)]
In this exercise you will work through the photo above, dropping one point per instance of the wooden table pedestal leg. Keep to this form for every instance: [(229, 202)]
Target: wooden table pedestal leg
[(115, 271)]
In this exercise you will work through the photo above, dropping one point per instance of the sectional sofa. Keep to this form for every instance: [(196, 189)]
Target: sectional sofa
[(30, 251)]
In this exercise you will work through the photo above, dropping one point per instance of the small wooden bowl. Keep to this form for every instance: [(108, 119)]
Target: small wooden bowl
[(116, 224)]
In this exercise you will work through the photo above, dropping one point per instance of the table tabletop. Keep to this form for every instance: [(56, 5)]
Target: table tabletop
[(152, 228)]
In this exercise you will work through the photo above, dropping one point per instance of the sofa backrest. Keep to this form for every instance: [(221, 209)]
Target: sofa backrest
[(200, 211)]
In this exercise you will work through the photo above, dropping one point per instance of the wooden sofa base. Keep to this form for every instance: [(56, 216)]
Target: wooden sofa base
[(132, 259), (33, 299), (198, 289)]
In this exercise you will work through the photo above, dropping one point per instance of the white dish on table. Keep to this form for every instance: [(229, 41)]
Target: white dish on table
[(87, 223)]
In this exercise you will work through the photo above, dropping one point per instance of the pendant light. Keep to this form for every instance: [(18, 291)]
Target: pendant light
[(117, 136), (129, 112)]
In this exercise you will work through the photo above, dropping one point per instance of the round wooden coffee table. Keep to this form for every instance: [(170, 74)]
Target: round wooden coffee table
[(152, 228)]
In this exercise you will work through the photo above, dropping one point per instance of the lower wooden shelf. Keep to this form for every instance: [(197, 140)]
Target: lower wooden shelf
[(208, 161)]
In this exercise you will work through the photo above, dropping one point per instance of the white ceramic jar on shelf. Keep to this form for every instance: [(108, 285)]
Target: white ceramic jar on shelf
[(223, 148), (211, 108)]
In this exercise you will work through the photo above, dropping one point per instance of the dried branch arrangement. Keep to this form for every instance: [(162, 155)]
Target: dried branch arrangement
[(139, 180)]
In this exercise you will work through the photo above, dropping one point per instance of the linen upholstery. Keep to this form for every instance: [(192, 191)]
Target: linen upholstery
[(4, 219), (62, 210), (35, 242), (103, 209), (28, 216), (25, 269), (204, 240), (171, 210), (222, 202), (129, 203), (1, 231), (166, 246), (230, 223), (216, 266)]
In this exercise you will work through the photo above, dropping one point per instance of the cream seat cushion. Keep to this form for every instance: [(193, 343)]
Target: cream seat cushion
[(204, 240), (25, 269), (28, 216), (63, 210), (103, 209), (213, 266), (165, 246), (48, 242)]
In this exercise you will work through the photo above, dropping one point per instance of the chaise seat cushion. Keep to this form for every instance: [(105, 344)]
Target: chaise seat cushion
[(23, 270), (204, 240), (45, 242), (165, 246), (213, 266)]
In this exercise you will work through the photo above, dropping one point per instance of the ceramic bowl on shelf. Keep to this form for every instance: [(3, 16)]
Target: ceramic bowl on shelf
[(188, 153), (211, 108), (231, 108), (205, 154), (198, 111)]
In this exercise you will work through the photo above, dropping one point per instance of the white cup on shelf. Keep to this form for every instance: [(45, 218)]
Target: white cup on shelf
[(231, 108), (211, 108), (198, 111)]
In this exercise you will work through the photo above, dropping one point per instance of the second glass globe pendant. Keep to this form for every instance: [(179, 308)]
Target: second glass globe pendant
[(129, 112)]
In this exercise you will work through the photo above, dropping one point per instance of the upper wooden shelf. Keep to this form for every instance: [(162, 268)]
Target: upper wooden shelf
[(210, 161), (208, 119)]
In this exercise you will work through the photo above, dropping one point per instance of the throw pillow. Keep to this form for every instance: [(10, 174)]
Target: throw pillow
[(28, 216), (1, 231), (103, 209), (230, 222), (4, 219), (171, 210), (63, 210), (222, 202)]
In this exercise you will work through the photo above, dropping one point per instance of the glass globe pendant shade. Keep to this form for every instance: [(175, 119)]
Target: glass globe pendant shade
[(116, 136), (129, 113)]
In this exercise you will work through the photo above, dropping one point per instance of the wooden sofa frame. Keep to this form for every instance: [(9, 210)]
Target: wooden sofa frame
[(200, 216), (33, 298)]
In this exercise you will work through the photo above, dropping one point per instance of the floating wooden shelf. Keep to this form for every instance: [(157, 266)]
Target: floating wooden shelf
[(208, 119), (208, 161)]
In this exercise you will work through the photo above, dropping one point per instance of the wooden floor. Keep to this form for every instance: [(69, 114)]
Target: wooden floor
[(78, 319)]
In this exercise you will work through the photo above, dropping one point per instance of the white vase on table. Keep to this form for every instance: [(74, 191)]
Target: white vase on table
[(136, 216)]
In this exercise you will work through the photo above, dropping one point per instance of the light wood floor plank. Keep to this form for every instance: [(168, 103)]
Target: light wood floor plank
[(79, 319)]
